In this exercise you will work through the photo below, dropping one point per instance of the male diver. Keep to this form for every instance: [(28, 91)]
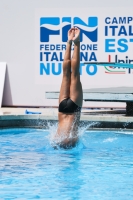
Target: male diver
[(71, 95)]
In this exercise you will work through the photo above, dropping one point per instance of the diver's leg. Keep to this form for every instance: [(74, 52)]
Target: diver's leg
[(76, 93), (65, 85)]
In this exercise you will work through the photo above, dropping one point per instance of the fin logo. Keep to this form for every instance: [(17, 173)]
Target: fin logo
[(52, 26)]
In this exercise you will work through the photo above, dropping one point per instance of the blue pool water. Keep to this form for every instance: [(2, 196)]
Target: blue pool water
[(100, 167)]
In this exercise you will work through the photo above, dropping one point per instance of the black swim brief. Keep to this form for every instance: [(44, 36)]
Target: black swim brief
[(68, 106)]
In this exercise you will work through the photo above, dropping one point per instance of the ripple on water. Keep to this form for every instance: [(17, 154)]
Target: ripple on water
[(99, 167)]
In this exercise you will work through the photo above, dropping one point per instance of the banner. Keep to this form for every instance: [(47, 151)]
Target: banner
[(106, 36)]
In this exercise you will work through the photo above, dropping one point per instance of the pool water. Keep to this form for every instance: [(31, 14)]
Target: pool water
[(100, 167)]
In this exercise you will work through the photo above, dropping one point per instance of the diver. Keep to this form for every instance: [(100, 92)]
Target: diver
[(71, 94)]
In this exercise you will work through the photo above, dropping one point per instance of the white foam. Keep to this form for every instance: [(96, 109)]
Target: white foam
[(110, 140), (125, 132)]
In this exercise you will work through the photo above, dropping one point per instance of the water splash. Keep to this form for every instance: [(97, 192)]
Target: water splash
[(52, 126), (55, 142)]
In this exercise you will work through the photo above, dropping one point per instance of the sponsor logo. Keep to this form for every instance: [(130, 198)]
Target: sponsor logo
[(118, 70)]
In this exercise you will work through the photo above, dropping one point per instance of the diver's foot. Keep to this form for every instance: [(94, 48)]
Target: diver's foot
[(76, 38), (71, 33)]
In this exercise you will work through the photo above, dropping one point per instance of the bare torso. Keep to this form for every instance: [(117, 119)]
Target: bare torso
[(67, 132)]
